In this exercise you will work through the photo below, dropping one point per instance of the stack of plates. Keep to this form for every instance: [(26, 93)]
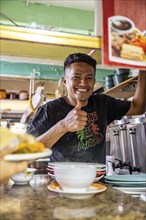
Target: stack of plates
[(130, 184), (101, 170)]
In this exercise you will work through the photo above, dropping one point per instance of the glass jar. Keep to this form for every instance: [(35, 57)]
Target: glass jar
[(23, 95), (3, 94)]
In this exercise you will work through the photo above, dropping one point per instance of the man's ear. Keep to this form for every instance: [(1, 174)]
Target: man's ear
[(64, 81)]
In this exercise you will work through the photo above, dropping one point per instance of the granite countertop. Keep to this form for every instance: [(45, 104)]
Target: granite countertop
[(35, 202)]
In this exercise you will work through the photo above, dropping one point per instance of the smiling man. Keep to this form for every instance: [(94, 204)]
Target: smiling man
[(74, 126)]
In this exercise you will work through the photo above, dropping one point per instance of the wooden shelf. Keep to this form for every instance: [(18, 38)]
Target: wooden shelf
[(123, 90), (13, 106), (45, 44)]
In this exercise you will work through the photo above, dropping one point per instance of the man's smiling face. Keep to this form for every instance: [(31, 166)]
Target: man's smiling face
[(79, 80)]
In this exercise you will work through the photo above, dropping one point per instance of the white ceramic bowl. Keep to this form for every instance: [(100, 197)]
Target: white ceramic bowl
[(18, 128), (73, 176), (23, 178)]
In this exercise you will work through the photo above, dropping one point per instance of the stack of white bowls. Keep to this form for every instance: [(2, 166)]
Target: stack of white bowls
[(76, 170)]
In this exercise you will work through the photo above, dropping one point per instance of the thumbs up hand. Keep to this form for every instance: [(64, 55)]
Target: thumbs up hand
[(78, 105), (76, 119)]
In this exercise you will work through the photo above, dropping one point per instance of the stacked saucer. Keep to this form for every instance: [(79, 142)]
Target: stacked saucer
[(130, 184), (91, 191)]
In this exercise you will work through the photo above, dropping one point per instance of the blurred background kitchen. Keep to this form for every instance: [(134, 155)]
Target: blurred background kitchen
[(34, 44)]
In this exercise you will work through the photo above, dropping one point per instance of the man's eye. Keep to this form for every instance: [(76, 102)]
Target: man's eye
[(76, 77), (89, 78)]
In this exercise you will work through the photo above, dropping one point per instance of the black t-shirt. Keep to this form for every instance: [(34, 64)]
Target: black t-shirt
[(87, 145)]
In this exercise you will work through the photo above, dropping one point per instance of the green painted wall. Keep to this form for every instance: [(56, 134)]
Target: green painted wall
[(26, 69), (100, 73), (55, 18), (51, 17), (46, 71)]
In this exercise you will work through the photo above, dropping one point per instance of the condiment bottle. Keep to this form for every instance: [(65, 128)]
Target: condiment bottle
[(12, 95)]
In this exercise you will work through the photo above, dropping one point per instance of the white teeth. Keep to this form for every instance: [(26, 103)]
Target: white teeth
[(82, 90)]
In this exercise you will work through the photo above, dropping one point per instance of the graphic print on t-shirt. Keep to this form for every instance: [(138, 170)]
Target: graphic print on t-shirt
[(90, 135)]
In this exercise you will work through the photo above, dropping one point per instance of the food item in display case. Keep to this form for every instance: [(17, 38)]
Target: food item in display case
[(26, 142)]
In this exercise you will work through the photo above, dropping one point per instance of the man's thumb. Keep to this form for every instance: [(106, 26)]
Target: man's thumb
[(79, 104)]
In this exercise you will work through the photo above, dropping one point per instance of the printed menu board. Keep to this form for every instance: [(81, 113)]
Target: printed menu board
[(124, 42), (127, 44)]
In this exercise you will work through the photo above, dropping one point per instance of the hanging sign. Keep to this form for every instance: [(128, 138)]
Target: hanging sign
[(124, 42)]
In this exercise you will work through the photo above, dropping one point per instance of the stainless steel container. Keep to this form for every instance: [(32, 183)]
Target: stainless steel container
[(134, 153), (115, 150), (128, 142), (124, 143)]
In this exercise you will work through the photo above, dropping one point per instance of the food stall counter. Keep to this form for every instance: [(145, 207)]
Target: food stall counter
[(35, 201)]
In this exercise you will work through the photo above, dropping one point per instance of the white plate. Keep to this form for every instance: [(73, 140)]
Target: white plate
[(43, 159), (51, 175), (101, 169), (98, 178), (92, 190), (129, 184), (127, 178), (132, 190), (99, 165), (31, 156)]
